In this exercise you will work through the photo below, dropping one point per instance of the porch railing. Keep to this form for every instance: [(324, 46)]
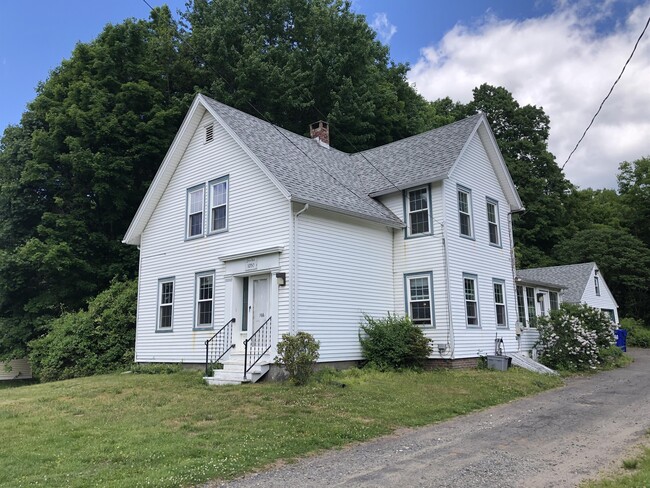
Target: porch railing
[(257, 345), (218, 345)]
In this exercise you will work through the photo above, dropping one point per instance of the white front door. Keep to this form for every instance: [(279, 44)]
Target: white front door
[(259, 301), (256, 294)]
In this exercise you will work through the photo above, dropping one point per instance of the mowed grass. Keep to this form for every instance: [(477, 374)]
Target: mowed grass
[(172, 430)]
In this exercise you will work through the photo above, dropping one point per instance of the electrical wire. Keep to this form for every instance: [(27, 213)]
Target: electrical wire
[(608, 94)]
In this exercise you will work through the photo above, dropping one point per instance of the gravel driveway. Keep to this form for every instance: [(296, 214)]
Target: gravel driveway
[(554, 439)]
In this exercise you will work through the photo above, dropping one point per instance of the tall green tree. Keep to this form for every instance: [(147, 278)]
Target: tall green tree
[(75, 169), (299, 61), (634, 188), (623, 259)]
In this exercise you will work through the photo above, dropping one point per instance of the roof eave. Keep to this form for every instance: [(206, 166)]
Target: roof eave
[(386, 221), (406, 186)]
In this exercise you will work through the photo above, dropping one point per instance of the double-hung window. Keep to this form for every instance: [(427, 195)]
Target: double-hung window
[(471, 300), (597, 286), (204, 300), (418, 296), (493, 222), (195, 202), (465, 212), (530, 305), (201, 222), (500, 303), (219, 205), (165, 304), (417, 206), (554, 300), (521, 306)]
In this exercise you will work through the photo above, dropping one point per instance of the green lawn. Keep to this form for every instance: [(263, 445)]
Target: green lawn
[(172, 430)]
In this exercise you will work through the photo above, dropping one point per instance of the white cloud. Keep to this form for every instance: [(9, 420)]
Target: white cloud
[(562, 63), (382, 26)]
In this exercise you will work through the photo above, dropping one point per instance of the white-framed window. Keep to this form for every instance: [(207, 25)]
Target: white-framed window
[(530, 306), (465, 212), (165, 320), (554, 300), (195, 203), (494, 229), (204, 300), (597, 285), (500, 302), (470, 286), (418, 298), (417, 208), (219, 205), (521, 306)]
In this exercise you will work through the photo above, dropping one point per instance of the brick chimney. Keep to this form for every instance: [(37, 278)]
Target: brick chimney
[(320, 131)]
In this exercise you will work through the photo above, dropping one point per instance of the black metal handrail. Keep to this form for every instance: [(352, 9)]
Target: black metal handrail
[(221, 343), (257, 345)]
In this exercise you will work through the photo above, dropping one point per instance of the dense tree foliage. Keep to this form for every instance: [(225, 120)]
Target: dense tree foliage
[(299, 61), (94, 341), (74, 170)]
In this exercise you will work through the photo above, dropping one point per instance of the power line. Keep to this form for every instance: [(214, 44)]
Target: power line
[(608, 94)]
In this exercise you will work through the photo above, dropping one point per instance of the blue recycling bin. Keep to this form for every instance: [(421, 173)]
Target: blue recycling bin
[(621, 339)]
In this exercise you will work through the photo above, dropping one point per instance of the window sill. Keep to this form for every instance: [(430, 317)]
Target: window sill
[(415, 236), (469, 238), (164, 331), (205, 327)]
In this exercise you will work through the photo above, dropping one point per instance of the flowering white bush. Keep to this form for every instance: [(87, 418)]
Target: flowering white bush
[(576, 337)]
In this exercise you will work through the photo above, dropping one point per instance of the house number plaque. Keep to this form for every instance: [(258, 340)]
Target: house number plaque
[(251, 264)]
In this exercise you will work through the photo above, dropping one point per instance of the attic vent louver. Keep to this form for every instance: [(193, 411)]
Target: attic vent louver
[(209, 133)]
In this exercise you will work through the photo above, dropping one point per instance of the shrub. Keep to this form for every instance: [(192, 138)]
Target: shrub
[(393, 342), (94, 341), (298, 353), (638, 335), (575, 337), (156, 368)]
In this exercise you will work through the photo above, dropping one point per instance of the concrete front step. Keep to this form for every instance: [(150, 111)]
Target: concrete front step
[(233, 371)]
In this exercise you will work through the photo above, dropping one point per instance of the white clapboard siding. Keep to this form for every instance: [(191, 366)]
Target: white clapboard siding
[(345, 270), (603, 301), (258, 218), (421, 255), (476, 256), (528, 339), (16, 369)]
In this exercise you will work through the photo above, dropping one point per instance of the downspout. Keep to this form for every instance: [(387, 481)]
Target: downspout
[(514, 276), (450, 329), (294, 270)]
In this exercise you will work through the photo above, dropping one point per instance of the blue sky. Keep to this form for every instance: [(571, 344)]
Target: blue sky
[(559, 55)]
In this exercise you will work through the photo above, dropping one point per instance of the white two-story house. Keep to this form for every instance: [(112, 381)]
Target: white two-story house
[(249, 231)]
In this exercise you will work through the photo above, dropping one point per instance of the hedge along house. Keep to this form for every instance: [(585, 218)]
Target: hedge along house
[(249, 231), (540, 290)]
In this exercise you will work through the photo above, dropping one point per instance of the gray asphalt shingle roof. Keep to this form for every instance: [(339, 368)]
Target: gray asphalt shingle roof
[(343, 182), (573, 276)]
